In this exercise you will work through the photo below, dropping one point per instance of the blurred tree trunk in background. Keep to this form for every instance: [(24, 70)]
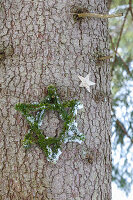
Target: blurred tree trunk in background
[(49, 47)]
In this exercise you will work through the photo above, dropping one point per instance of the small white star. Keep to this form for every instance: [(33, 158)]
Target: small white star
[(86, 82)]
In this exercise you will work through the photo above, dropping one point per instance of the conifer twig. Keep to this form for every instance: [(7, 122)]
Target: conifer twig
[(96, 15), (116, 53), (130, 8), (121, 126), (121, 31), (105, 57)]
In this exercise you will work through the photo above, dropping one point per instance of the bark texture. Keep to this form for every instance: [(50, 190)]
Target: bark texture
[(43, 45)]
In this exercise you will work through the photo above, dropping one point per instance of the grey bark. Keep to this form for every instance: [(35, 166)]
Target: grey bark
[(50, 48)]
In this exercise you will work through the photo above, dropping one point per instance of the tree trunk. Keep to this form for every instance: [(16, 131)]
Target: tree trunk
[(42, 45)]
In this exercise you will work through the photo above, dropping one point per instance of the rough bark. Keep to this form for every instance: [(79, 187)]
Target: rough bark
[(50, 48)]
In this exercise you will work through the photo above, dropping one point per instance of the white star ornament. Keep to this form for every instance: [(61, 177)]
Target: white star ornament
[(86, 82)]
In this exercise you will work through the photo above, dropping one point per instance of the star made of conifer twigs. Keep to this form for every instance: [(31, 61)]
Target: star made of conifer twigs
[(34, 114)]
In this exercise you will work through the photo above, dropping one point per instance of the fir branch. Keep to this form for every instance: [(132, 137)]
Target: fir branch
[(130, 8), (124, 63), (121, 126), (121, 31)]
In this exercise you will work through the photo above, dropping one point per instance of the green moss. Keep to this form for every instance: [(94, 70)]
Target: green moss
[(34, 114)]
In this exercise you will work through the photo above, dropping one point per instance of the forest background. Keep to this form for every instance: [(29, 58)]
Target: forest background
[(121, 41)]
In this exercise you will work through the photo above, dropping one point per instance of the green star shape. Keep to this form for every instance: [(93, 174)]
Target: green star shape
[(34, 114)]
